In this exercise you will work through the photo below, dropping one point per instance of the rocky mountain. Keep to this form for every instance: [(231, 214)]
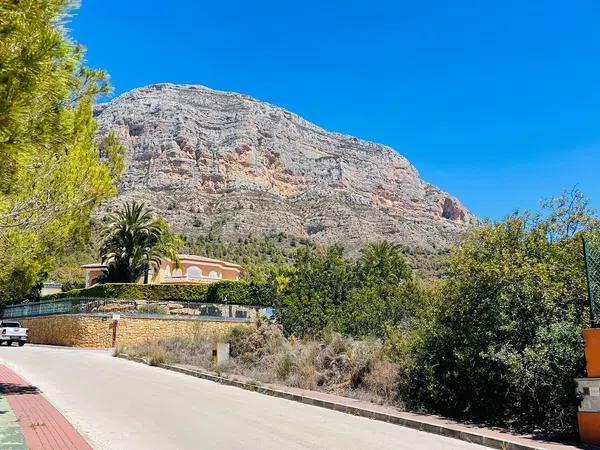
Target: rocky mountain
[(225, 163)]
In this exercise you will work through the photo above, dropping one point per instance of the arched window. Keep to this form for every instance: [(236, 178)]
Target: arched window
[(168, 271), (194, 272), (213, 274), (177, 273)]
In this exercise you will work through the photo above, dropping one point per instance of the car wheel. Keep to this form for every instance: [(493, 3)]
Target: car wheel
[(21, 344)]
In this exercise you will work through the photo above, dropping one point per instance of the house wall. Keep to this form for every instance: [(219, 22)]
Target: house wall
[(50, 290), (93, 331), (91, 275), (202, 271), (188, 272)]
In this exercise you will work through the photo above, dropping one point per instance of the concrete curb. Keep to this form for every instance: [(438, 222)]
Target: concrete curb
[(456, 432)]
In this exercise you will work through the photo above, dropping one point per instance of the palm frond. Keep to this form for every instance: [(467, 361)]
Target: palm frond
[(134, 241)]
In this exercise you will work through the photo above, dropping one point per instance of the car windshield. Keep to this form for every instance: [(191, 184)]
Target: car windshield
[(11, 325)]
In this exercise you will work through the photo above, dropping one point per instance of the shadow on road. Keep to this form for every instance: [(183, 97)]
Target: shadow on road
[(17, 389)]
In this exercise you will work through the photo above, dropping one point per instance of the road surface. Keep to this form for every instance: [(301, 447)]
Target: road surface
[(118, 404)]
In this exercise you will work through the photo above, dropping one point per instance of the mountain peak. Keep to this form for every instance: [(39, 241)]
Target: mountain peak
[(231, 164)]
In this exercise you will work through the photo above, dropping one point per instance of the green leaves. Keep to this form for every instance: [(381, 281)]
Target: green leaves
[(314, 291), (241, 292), (383, 261), (501, 340), (361, 298), (133, 242), (50, 176), (113, 152)]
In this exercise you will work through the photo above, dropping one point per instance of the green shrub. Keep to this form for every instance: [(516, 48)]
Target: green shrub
[(501, 341), (240, 293), (236, 292), (72, 284), (363, 297), (132, 291), (157, 356), (312, 294), (154, 308)]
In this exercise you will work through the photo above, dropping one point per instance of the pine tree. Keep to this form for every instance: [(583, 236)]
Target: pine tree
[(51, 175)]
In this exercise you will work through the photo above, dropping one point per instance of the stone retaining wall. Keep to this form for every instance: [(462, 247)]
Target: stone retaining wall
[(81, 330)]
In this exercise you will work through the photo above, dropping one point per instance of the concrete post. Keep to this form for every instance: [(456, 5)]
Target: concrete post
[(222, 353)]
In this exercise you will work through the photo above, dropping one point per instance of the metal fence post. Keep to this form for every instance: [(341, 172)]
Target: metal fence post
[(588, 275)]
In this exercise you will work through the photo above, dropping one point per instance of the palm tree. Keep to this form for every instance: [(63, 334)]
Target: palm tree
[(384, 260), (133, 242)]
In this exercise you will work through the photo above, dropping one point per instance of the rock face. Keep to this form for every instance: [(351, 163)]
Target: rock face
[(233, 165)]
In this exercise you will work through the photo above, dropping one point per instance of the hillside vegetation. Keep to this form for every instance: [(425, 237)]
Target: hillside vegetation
[(483, 325), (259, 255), (498, 340)]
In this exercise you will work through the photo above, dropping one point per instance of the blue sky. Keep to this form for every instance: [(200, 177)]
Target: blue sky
[(496, 102)]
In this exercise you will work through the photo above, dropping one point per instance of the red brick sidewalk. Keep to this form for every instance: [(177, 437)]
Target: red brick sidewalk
[(41, 424)]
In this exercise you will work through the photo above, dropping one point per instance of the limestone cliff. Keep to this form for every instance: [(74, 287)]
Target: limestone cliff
[(209, 160)]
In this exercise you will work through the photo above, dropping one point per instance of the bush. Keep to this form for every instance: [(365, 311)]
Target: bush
[(371, 309), (157, 356), (242, 292), (333, 364), (72, 284), (154, 308), (312, 294), (501, 341), (327, 292), (236, 292), (133, 291), (252, 340), (382, 378)]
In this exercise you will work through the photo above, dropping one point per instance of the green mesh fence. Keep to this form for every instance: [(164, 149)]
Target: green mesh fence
[(591, 251)]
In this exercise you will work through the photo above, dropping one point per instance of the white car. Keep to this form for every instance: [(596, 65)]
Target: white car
[(12, 332)]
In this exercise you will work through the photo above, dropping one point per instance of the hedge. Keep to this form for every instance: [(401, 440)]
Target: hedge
[(240, 293), (235, 292)]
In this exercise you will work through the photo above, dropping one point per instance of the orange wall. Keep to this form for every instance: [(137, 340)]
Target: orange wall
[(226, 273), (93, 275), (589, 427), (591, 337)]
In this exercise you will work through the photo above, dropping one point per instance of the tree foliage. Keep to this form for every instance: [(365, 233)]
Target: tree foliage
[(564, 215), (384, 293), (242, 292), (326, 291), (501, 340), (316, 289), (113, 152), (259, 255), (51, 176), (133, 242)]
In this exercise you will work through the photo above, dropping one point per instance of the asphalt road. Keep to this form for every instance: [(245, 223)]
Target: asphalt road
[(118, 404)]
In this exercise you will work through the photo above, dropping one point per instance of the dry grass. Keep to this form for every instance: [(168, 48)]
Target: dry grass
[(119, 349), (334, 364), (155, 353), (382, 379), (157, 356)]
